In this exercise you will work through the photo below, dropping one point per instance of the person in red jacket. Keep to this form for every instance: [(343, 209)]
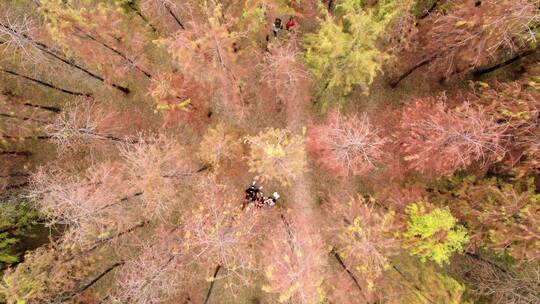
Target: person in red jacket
[(290, 24)]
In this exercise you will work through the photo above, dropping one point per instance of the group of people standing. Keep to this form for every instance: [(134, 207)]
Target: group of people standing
[(255, 196), (278, 26)]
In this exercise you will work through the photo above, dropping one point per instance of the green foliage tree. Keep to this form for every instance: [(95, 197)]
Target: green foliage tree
[(410, 281), (48, 275), (16, 220), (344, 52), (255, 12), (433, 234)]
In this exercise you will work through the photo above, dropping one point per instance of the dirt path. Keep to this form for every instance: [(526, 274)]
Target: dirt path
[(303, 216), (301, 189)]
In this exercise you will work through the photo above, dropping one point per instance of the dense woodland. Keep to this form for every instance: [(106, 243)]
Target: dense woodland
[(402, 137)]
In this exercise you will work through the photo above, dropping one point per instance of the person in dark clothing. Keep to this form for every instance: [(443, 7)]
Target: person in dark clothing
[(256, 196), (252, 192), (277, 26)]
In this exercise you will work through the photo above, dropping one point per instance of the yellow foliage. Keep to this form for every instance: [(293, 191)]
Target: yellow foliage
[(277, 154), (219, 144)]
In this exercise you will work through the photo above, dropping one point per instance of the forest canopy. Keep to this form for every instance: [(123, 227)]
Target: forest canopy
[(269, 151)]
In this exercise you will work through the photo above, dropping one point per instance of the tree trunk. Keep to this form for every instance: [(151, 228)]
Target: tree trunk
[(479, 72), (91, 283), (137, 11), (106, 137), (46, 108), (175, 17), (46, 84), (428, 11), (17, 153), (16, 186), (103, 241), (46, 49), (15, 174), (395, 83), (492, 264), (119, 234), (24, 118), (209, 293), (321, 92), (124, 199), (117, 52), (349, 272), (39, 137)]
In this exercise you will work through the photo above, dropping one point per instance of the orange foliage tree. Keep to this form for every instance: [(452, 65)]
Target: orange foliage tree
[(204, 50), (213, 241), (501, 216), (180, 98), (153, 216), (467, 37), (362, 235), (220, 146)]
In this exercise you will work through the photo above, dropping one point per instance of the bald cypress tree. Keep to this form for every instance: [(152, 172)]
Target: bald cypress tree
[(344, 53)]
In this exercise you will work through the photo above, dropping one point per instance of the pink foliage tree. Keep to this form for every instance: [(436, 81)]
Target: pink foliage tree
[(294, 263), (346, 145)]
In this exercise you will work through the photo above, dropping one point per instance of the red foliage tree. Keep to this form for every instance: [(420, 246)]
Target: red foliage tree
[(346, 145), (468, 37), (517, 105), (439, 140), (502, 217), (463, 36)]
